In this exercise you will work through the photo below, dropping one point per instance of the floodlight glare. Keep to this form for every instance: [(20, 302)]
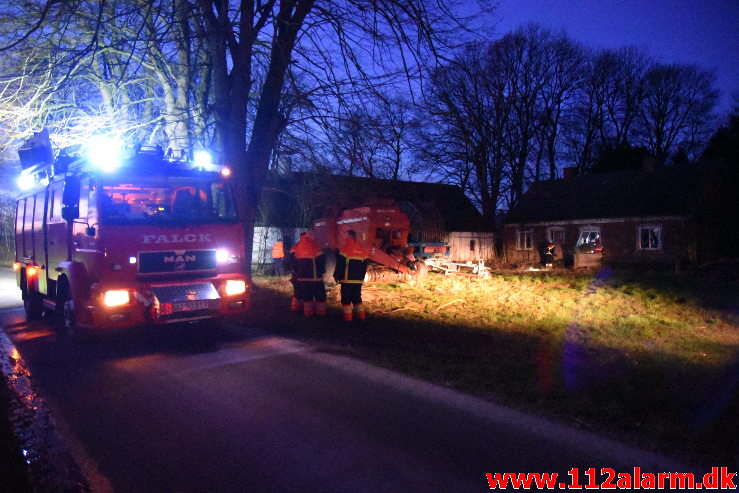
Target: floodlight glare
[(202, 159), (104, 153), (25, 182)]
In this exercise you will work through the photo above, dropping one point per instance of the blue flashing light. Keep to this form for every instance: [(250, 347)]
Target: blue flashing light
[(105, 153), (203, 159)]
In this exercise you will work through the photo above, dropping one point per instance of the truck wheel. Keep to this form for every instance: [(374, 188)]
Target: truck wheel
[(33, 304)]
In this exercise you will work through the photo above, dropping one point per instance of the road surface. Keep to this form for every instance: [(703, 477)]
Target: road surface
[(171, 410)]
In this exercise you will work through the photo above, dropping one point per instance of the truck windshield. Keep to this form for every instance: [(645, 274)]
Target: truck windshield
[(174, 200)]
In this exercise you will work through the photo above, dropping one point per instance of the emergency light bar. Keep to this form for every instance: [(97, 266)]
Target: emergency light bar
[(104, 153), (109, 155), (203, 159)]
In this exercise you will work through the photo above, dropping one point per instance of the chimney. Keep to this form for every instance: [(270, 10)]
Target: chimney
[(569, 172)]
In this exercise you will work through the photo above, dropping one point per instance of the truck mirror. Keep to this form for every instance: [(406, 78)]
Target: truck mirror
[(70, 213), (71, 195)]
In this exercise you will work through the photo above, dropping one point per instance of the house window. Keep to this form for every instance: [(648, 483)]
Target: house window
[(556, 235), (472, 245), (589, 241), (650, 238), (524, 240)]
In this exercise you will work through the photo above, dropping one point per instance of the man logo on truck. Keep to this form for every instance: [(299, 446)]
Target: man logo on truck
[(179, 261)]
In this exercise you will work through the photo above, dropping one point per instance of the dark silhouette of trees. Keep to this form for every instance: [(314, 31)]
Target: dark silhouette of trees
[(513, 111), (469, 112), (724, 144), (678, 100)]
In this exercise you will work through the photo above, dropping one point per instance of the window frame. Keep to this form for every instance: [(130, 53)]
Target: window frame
[(556, 229), (524, 234), (650, 227), (589, 229)]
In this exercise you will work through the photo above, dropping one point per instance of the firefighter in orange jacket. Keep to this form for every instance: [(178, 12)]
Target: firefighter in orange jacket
[(308, 265), (351, 266)]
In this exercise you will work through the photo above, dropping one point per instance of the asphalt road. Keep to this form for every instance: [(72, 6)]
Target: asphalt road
[(179, 410)]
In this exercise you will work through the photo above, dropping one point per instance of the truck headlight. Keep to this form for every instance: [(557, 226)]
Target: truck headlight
[(116, 297), (223, 256), (234, 287)]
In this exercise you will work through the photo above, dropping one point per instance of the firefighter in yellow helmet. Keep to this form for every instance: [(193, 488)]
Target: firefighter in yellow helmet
[(351, 266)]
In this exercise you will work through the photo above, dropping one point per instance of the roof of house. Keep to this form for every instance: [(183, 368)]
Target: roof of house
[(666, 191), (303, 197)]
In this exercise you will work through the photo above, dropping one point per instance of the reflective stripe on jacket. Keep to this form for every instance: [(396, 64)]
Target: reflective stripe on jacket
[(351, 263), (307, 261)]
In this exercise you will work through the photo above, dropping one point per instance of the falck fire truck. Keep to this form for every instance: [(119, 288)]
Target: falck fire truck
[(105, 243)]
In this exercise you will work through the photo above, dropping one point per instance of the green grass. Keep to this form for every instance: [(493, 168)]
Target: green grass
[(642, 358)]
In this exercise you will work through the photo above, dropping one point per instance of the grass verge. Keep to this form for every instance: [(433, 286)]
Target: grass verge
[(653, 360)]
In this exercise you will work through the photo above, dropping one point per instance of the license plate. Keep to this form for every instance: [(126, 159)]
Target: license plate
[(187, 306)]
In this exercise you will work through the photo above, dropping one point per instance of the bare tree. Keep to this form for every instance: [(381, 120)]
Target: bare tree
[(620, 74), (253, 47), (129, 67), (363, 36), (678, 101), (459, 143), (398, 122), (564, 60)]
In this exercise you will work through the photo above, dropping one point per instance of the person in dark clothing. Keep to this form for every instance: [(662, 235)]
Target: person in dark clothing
[(549, 256), (308, 266), (351, 266)]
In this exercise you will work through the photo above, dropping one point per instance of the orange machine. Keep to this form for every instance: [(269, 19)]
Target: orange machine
[(382, 229)]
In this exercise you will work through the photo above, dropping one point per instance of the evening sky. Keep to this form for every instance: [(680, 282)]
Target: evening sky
[(701, 32)]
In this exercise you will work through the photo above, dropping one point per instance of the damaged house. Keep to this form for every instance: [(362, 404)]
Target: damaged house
[(648, 216)]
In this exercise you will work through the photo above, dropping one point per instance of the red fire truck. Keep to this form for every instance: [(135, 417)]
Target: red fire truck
[(103, 243)]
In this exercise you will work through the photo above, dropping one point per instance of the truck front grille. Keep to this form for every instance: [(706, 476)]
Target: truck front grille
[(176, 261)]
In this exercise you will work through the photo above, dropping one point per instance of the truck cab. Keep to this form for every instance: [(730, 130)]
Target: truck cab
[(148, 240)]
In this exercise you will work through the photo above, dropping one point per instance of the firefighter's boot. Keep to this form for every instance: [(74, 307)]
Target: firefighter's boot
[(295, 305), (309, 308), (361, 314), (346, 311), (321, 308)]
